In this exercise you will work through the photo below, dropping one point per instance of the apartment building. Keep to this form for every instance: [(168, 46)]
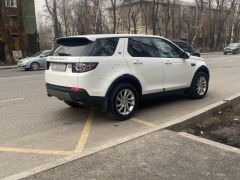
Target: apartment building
[(22, 27)]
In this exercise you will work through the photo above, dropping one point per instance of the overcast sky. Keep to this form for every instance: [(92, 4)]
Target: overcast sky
[(39, 4)]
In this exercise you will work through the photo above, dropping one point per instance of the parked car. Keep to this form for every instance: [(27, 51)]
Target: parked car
[(35, 62), (233, 48), (187, 48), (116, 71)]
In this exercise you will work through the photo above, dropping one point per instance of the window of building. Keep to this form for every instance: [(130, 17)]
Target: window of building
[(11, 3)]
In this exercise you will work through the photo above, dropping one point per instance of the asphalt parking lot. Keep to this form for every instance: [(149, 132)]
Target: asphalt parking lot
[(36, 129)]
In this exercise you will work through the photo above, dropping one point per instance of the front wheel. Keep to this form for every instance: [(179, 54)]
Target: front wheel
[(199, 86), (123, 101), (35, 66)]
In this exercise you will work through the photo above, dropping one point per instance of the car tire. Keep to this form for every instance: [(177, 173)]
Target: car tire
[(199, 86), (73, 104), (225, 53), (35, 66), (123, 101)]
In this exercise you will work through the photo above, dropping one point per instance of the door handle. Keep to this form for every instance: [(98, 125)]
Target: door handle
[(168, 63), (137, 62)]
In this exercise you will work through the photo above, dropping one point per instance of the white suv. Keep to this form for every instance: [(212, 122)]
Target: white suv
[(116, 71)]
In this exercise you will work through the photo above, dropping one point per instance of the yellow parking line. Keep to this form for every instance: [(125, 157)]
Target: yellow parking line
[(143, 122), (35, 151), (86, 131)]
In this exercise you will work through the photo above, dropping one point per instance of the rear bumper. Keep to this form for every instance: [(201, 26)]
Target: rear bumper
[(66, 94)]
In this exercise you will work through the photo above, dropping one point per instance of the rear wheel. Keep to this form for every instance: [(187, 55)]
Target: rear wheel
[(73, 104), (199, 86), (35, 66), (123, 101)]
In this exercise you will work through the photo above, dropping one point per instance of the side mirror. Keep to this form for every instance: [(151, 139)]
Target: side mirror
[(185, 55)]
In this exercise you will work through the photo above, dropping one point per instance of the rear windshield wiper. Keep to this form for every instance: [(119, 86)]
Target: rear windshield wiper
[(64, 54)]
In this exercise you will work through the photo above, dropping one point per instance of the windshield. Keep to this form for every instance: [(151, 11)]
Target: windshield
[(46, 53), (233, 45), (37, 54), (100, 47)]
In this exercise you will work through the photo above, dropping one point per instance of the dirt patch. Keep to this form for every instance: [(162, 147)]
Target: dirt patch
[(223, 126)]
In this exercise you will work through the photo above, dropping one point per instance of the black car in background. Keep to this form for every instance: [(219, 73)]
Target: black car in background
[(186, 47), (233, 48)]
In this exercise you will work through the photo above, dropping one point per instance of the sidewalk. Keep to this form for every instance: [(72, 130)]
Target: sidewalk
[(8, 67), (160, 155)]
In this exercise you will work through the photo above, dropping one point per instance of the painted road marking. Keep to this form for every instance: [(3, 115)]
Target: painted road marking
[(9, 100), (21, 77), (143, 122), (210, 142), (86, 131), (35, 151)]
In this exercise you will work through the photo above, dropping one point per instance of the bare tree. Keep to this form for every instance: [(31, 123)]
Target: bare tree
[(53, 11), (155, 10), (114, 11)]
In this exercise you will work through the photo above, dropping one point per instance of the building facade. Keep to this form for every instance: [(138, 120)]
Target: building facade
[(163, 17), (20, 15)]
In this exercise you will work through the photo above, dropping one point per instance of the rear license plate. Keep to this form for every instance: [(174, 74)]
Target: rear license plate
[(58, 67)]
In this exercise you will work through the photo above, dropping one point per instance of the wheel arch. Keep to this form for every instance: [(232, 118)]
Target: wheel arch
[(202, 69), (126, 78)]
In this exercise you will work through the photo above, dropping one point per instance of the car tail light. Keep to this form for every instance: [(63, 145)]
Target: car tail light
[(84, 67)]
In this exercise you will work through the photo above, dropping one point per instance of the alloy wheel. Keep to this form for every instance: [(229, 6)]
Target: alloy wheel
[(201, 85), (125, 102)]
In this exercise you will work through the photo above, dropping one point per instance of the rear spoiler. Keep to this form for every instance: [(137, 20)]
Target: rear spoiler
[(73, 41)]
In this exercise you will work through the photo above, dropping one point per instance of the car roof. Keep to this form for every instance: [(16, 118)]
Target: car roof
[(178, 40), (96, 36), (235, 43)]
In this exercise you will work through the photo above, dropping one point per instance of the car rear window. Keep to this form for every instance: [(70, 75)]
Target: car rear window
[(85, 47)]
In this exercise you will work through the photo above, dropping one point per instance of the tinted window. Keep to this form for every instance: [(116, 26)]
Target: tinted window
[(72, 50), (167, 49), (37, 54), (105, 47), (100, 47), (140, 47)]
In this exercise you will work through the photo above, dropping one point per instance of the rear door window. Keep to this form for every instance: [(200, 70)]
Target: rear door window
[(104, 47), (141, 47)]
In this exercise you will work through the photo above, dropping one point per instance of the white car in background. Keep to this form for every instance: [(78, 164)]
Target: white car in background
[(35, 62), (116, 71)]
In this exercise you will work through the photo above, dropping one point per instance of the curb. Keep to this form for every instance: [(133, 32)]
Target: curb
[(7, 67), (230, 101), (169, 125)]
